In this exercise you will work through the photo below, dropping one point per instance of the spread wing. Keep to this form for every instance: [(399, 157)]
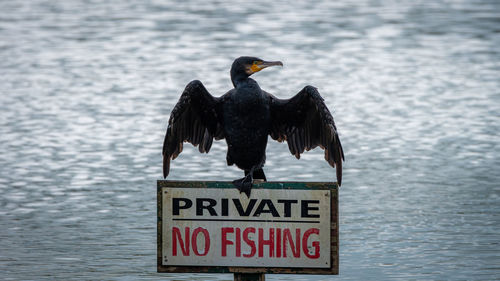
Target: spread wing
[(305, 122), (194, 119)]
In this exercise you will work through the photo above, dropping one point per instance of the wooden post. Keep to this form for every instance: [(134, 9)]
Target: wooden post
[(249, 277)]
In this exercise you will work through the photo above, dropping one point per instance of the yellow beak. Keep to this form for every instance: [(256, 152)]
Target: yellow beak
[(258, 66)]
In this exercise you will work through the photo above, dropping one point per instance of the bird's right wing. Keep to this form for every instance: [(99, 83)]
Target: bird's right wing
[(194, 119)]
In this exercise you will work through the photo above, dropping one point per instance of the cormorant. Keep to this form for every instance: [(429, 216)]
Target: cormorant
[(245, 116)]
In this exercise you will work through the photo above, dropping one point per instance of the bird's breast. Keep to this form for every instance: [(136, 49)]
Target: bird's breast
[(246, 118)]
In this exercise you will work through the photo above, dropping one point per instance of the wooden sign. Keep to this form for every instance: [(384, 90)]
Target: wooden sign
[(285, 227)]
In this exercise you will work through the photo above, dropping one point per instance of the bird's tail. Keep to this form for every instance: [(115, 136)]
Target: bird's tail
[(258, 174)]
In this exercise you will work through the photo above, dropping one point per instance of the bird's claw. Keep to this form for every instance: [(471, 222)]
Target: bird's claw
[(244, 185)]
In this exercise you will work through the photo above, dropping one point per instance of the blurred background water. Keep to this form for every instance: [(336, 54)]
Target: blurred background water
[(86, 88)]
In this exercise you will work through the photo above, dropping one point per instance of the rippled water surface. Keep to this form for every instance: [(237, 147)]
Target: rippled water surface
[(86, 88)]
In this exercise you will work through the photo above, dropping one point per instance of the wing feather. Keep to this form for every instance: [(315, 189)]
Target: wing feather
[(305, 122), (194, 119)]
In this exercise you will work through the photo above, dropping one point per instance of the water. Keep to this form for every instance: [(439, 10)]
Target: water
[(87, 88)]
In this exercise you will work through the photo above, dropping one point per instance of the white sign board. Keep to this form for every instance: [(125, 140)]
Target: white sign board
[(222, 227)]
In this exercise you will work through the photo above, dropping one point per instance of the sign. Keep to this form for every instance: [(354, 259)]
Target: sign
[(281, 228)]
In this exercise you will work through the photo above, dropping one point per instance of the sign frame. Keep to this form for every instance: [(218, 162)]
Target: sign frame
[(334, 229)]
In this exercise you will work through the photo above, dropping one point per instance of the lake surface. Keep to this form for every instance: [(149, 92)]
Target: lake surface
[(86, 89)]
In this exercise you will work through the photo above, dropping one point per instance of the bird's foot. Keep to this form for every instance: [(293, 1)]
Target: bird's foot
[(244, 184)]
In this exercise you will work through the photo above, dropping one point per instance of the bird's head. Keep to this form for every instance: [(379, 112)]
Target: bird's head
[(243, 67)]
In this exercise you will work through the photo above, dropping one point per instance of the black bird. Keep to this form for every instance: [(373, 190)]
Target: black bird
[(245, 116)]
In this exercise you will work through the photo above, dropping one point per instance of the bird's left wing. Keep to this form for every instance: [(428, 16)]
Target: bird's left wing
[(194, 119), (305, 122)]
